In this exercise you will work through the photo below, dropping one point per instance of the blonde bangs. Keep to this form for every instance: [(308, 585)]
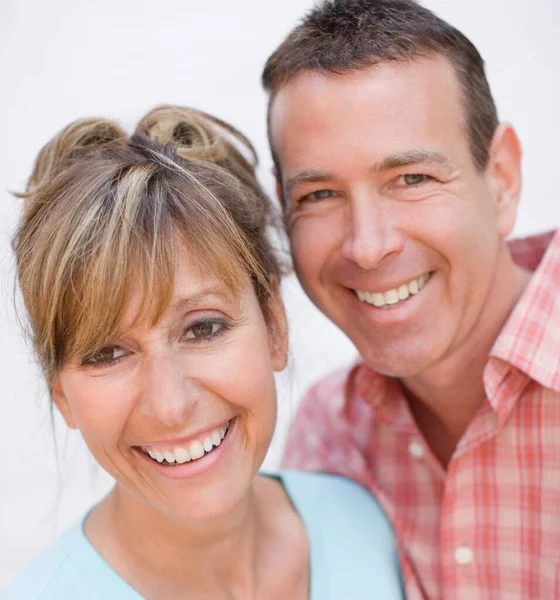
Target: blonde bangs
[(122, 246), (95, 309)]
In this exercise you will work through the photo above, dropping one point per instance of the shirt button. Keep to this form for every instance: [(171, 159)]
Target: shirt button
[(416, 449), (464, 555)]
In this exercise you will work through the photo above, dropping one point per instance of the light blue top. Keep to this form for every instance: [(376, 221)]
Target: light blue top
[(352, 551)]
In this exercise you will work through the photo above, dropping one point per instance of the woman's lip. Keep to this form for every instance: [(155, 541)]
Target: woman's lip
[(194, 467), (181, 441)]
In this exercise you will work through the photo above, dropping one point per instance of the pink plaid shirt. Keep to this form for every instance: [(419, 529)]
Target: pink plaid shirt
[(488, 527)]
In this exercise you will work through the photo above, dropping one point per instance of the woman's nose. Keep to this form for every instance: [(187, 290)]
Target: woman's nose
[(169, 394)]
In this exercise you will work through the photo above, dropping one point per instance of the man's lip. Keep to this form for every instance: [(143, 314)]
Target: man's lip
[(391, 315), (185, 439), (385, 287)]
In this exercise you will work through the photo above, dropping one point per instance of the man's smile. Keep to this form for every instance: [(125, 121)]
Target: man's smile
[(394, 295)]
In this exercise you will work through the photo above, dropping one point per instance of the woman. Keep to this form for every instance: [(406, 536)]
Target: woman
[(153, 297)]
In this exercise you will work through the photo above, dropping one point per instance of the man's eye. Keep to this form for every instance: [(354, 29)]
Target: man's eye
[(105, 356), (204, 330), (318, 195), (414, 178)]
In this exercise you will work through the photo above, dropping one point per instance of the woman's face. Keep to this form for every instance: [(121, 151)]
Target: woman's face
[(153, 405)]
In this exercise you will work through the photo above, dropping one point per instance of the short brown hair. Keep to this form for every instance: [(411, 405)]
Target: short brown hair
[(106, 212), (339, 36)]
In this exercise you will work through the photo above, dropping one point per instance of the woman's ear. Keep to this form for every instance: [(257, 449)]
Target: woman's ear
[(504, 167), (278, 327), (61, 400)]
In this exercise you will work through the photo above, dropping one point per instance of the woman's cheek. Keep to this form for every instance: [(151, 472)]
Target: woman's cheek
[(101, 408)]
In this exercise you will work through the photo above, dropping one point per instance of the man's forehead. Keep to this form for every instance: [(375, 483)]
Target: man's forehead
[(391, 97), (309, 88)]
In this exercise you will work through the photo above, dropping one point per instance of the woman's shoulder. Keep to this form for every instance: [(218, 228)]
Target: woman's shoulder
[(330, 495), (351, 540), (71, 569), (52, 575)]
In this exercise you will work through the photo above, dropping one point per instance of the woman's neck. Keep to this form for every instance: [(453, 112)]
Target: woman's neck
[(227, 558)]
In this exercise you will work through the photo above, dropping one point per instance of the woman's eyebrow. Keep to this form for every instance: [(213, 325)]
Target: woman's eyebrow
[(187, 302)]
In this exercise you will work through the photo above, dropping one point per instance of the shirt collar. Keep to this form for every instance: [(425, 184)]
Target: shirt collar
[(383, 394), (530, 339)]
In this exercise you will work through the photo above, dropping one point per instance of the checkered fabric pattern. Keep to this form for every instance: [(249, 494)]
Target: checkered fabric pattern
[(488, 527)]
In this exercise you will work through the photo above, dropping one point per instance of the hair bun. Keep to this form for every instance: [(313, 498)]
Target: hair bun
[(196, 135), (76, 140)]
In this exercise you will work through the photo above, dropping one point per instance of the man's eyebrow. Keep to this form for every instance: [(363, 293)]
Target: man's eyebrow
[(411, 157), (307, 176), (393, 161)]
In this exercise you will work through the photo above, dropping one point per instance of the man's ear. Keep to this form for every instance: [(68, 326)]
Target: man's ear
[(504, 167), (61, 400), (278, 327)]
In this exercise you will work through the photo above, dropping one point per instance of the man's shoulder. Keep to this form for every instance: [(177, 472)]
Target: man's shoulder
[(332, 423), (332, 387), (349, 389)]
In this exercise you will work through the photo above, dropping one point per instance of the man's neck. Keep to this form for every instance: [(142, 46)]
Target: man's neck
[(446, 397)]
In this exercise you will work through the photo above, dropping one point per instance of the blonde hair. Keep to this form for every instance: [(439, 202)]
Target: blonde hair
[(106, 212)]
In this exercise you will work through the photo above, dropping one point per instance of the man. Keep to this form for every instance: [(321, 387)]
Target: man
[(399, 187)]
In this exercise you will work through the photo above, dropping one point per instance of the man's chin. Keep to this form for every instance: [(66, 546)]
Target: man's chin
[(398, 364)]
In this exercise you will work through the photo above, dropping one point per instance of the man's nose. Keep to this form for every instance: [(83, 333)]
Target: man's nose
[(371, 232), (169, 394)]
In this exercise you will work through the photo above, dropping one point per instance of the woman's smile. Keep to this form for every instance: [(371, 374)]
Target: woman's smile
[(182, 451), (195, 457)]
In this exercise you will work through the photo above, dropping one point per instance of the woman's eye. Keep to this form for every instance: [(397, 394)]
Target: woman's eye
[(414, 178), (105, 356), (203, 330)]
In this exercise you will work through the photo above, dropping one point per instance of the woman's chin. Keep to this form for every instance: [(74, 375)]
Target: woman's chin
[(207, 506)]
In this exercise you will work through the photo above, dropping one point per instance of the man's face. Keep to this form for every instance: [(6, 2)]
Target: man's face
[(395, 236)]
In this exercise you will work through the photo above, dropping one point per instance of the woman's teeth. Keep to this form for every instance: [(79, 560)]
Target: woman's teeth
[(194, 450), (396, 295)]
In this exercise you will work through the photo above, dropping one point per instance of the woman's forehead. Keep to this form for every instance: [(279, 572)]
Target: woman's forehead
[(193, 288)]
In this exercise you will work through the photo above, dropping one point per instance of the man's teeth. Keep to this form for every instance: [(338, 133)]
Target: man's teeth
[(396, 295), (193, 450)]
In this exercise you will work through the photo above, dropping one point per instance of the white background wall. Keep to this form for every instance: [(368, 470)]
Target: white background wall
[(62, 59)]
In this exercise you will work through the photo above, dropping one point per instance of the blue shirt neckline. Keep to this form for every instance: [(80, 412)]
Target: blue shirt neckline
[(108, 582)]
